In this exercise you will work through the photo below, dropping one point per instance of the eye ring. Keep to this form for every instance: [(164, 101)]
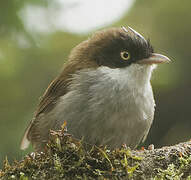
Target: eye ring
[(125, 55)]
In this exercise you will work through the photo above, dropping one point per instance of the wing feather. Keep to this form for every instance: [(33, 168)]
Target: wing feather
[(57, 88)]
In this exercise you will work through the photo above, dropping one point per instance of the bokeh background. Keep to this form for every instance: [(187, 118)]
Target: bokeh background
[(37, 36)]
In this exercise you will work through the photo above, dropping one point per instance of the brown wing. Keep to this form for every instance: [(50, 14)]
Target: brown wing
[(56, 89), (59, 86)]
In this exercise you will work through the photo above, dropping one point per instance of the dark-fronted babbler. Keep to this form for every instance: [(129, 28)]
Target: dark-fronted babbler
[(103, 93)]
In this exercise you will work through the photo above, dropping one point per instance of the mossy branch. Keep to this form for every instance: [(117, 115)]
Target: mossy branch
[(68, 158)]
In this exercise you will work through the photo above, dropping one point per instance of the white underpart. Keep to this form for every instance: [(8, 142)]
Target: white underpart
[(105, 106), (111, 106), (135, 76)]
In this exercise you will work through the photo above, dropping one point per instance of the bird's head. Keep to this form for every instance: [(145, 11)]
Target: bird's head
[(117, 48)]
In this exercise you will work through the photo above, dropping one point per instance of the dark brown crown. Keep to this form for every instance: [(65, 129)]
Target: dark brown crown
[(104, 47)]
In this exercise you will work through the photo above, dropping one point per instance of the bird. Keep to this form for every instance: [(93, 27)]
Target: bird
[(103, 93)]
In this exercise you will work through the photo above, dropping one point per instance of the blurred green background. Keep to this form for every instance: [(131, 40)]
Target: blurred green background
[(30, 59)]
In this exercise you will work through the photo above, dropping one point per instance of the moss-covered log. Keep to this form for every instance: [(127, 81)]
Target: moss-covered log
[(68, 158)]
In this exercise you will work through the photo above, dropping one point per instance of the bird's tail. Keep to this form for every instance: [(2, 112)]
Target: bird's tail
[(25, 142)]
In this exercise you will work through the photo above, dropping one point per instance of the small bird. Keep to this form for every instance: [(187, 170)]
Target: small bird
[(103, 93)]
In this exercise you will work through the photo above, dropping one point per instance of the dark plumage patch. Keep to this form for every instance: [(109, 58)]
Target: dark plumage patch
[(107, 45)]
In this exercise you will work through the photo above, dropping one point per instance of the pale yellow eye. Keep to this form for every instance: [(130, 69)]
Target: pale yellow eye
[(125, 55)]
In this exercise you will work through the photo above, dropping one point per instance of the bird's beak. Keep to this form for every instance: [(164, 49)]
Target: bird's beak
[(154, 59)]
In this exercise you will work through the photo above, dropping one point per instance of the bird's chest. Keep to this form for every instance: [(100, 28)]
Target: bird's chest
[(117, 112), (118, 104), (120, 113), (117, 96), (107, 106)]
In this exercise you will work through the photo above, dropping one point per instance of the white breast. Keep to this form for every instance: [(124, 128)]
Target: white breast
[(110, 106)]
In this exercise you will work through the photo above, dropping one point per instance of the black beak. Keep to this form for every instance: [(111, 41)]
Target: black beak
[(154, 59)]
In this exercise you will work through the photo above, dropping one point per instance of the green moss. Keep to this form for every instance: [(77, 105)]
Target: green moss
[(177, 171), (170, 173), (22, 176), (69, 158)]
